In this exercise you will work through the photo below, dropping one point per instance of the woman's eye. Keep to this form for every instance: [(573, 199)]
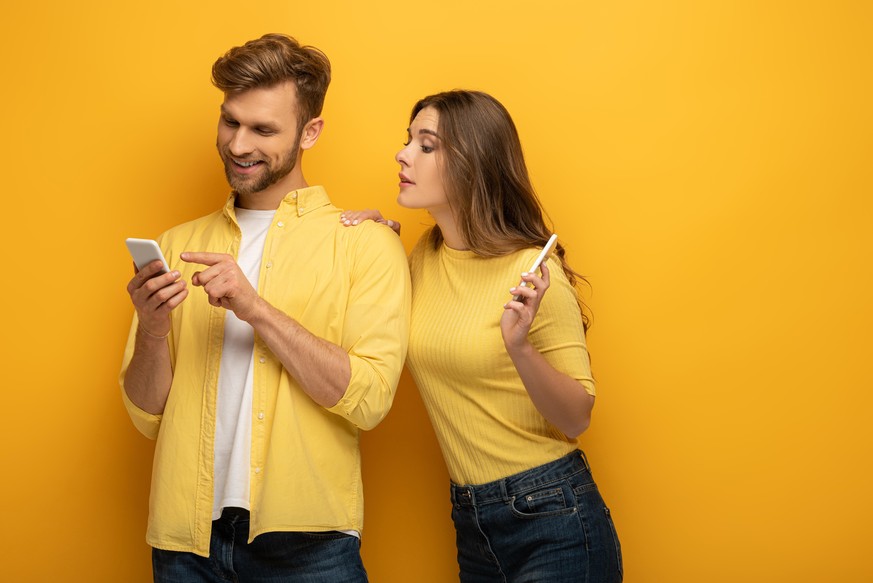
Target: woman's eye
[(427, 149)]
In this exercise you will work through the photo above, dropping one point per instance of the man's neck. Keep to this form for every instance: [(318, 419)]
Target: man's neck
[(271, 197)]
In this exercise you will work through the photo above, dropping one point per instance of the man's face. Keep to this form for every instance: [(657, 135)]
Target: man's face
[(258, 138)]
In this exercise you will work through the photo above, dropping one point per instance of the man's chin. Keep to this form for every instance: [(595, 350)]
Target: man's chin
[(244, 187)]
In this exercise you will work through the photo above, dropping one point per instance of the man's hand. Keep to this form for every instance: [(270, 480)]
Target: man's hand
[(154, 295), (224, 283)]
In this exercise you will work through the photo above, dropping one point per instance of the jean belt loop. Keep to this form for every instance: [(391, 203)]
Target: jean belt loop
[(504, 491), (585, 460)]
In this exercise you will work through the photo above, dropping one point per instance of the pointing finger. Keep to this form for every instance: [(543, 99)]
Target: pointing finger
[(203, 258)]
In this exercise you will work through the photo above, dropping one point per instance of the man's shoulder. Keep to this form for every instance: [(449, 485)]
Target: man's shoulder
[(372, 241)]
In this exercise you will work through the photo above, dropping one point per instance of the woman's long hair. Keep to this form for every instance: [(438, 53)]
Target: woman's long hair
[(487, 184)]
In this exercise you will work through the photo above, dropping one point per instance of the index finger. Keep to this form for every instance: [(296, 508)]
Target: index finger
[(538, 281), (202, 257)]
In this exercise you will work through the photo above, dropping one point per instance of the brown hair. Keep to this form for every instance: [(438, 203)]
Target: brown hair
[(486, 180), (270, 60)]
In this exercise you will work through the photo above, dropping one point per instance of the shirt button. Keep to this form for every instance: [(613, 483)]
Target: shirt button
[(257, 470), (280, 224), (301, 209), (261, 415), (262, 360), (269, 264), (294, 195)]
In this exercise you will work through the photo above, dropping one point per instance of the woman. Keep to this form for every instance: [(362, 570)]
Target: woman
[(508, 391)]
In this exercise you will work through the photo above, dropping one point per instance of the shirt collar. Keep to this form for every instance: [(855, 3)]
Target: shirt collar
[(306, 200), (301, 201)]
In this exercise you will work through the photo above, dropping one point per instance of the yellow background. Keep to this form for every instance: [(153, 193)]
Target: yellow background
[(706, 163)]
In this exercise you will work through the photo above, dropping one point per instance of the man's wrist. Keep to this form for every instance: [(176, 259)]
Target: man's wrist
[(147, 334), (256, 313)]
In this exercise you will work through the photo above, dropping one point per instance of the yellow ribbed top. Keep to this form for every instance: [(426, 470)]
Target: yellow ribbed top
[(486, 424)]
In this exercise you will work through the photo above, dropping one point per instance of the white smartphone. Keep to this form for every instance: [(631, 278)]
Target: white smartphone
[(550, 245), (144, 251)]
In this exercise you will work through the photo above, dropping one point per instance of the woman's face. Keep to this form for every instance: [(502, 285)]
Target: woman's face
[(421, 161)]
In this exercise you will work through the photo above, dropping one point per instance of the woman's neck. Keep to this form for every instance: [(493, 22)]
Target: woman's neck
[(448, 227)]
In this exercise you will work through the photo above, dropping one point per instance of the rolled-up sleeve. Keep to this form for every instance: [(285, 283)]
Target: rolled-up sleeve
[(376, 325), (146, 423)]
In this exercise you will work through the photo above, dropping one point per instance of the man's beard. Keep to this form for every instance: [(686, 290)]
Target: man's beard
[(246, 185)]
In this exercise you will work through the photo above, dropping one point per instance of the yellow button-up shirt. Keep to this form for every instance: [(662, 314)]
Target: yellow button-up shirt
[(347, 286)]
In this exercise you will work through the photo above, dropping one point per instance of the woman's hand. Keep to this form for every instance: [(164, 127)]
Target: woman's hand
[(518, 315), (352, 218), (561, 399)]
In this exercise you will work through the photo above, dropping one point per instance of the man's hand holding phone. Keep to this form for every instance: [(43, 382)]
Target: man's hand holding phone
[(155, 292)]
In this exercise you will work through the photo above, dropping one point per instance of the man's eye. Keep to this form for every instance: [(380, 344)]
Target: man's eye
[(231, 123)]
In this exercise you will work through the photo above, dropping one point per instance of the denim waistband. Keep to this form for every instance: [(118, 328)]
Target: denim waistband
[(233, 514), (571, 464)]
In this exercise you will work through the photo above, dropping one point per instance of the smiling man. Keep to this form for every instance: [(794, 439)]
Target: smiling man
[(256, 384)]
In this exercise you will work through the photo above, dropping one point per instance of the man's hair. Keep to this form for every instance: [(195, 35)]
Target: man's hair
[(486, 179), (273, 59)]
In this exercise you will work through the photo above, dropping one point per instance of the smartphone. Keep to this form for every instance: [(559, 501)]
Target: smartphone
[(550, 245), (144, 251)]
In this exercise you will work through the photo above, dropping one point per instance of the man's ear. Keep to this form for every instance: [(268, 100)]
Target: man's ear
[(311, 133)]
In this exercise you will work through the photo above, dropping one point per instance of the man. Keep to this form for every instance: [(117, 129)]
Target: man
[(256, 385)]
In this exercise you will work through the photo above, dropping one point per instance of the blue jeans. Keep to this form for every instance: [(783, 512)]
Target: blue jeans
[(545, 524), (273, 557)]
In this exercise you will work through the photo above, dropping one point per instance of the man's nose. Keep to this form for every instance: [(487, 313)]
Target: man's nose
[(240, 144)]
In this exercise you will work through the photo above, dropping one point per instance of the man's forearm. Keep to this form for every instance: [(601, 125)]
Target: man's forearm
[(320, 367), (149, 375)]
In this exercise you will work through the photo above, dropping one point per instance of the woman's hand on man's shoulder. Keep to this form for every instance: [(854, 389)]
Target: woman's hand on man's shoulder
[(351, 218)]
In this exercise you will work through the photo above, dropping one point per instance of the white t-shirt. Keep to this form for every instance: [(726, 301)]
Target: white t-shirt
[(233, 428)]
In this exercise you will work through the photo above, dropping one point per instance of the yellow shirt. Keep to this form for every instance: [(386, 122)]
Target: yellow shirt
[(347, 286), (486, 424)]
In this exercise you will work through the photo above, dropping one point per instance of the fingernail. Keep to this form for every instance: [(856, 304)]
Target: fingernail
[(355, 222), (524, 273)]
